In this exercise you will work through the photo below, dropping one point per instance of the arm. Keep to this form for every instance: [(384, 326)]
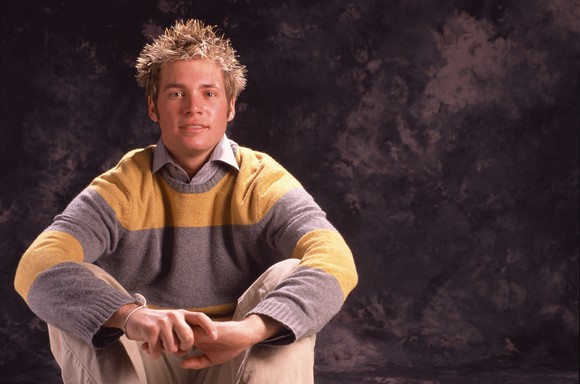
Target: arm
[(51, 277), (291, 224), (307, 299)]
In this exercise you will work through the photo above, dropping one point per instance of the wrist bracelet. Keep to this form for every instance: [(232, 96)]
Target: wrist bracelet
[(139, 299)]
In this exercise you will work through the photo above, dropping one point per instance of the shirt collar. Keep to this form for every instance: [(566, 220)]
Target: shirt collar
[(223, 152)]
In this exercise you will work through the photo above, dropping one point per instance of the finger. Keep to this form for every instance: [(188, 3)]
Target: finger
[(202, 320), (155, 347), (152, 344), (184, 336), (168, 340), (198, 362)]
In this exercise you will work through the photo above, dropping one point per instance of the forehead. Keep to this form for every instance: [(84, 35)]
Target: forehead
[(192, 71)]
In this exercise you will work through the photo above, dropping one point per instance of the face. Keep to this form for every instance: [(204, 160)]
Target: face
[(192, 110)]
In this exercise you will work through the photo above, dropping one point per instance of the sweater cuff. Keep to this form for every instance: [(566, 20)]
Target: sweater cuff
[(282, 314), (104, 336)]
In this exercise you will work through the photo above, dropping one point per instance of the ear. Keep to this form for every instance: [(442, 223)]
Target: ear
[(232, 109), (152, 109)]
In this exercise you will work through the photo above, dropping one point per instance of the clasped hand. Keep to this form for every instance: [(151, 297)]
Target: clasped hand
[(177, 331)]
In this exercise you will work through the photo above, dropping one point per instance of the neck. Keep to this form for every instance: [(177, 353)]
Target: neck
[(192, 165)]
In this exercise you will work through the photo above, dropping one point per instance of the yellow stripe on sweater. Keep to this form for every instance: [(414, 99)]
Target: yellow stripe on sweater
[(48, 250), (155, 204), (328, 252)]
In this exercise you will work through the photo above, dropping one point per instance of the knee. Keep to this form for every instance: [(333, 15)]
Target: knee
[(282, 269), (265, 284), (100, 273)]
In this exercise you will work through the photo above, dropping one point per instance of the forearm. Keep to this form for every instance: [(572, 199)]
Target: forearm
[(73, 299), (261, 328)]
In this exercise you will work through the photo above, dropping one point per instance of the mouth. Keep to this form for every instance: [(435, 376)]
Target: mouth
[(193, 127)]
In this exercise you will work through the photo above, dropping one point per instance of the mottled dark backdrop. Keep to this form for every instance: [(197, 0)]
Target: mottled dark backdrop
[(440, 136)]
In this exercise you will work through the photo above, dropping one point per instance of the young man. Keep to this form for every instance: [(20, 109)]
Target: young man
[(195, 260)]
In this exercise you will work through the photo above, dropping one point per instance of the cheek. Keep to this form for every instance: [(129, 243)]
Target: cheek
[(167, 113)]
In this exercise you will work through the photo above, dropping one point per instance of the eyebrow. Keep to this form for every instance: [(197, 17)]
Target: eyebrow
[(182, 86), (174, 85)]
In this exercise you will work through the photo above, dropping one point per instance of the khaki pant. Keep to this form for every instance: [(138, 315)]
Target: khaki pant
[(124, 363)]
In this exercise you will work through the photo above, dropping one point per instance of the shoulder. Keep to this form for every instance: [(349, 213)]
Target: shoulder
[(263, 177), (134, 165), (130, 175), (137, 160), (258, 163)]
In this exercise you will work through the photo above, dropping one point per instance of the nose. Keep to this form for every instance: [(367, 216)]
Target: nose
[(192, 104)]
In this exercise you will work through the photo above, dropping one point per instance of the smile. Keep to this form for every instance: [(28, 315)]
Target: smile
[(193, 127)]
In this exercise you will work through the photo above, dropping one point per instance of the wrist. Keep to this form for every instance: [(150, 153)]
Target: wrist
[(118, 318), (262, 327), (121, 316)]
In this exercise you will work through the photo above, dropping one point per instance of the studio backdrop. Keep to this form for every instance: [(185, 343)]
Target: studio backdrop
[(441, 138)]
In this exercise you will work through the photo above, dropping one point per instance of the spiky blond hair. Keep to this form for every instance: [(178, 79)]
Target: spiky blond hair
[(191, 39)]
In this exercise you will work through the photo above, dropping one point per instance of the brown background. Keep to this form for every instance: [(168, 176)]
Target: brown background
[(440, 136)]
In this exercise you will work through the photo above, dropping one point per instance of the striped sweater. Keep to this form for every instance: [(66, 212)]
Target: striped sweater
[(197, 247)]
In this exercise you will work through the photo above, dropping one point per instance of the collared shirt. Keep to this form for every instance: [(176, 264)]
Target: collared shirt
[(222, 153)]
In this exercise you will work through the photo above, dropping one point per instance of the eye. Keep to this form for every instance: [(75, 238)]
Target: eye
[(176, 94), (210, 94)]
